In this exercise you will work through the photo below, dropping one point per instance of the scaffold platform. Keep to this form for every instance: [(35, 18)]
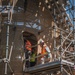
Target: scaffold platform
[(51, 66)]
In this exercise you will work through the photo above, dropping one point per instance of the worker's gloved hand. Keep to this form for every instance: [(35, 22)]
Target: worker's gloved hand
[(29, 52)]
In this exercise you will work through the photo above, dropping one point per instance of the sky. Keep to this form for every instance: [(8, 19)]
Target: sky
[(71, 11)]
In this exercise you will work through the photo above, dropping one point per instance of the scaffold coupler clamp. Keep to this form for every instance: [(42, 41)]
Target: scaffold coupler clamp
[(5, 60)]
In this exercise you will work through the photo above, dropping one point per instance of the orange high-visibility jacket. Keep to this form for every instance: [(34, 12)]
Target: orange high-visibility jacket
[(43, 50), (28, 45)]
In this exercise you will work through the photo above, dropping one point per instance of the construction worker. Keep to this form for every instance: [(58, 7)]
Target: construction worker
[(28, 50), (45, 49)]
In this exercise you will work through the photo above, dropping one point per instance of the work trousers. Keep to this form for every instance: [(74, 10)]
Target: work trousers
[(27, 56)]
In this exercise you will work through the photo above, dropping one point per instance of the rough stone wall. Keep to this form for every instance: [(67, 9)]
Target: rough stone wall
[(42, 20), (16, 61)]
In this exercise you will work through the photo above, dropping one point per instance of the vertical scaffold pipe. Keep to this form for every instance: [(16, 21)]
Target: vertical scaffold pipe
[(54, 43), (54, 38), (61, 46), (7, 43), (61, 52), (7, 47)]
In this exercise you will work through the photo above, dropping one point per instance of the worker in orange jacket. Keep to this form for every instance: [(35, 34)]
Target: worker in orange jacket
[(28, 50), (45, 49), (28, 45)]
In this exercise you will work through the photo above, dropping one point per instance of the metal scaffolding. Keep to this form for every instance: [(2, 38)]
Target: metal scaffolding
[(63, 60), (9, 11), (64, 51)]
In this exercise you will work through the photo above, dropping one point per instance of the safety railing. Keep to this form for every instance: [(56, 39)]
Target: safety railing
[(38, 61)]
